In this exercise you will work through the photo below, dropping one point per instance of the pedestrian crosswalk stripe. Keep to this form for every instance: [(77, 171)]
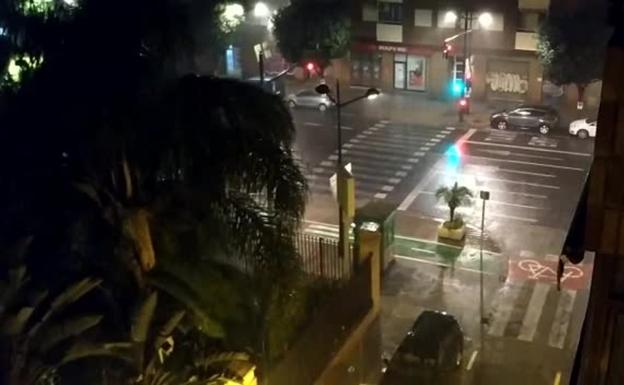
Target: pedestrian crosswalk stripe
[(502, 313), (327, 163), (406, 167), (373, 128), (387, 144), (423, 148), (380, 196), (401, 174), (387, 188), (413, 160), (418, 153), (534, 311), (318, 169), (373, 155), (434, 140), (381, 148), (440, 136), (561, 323)]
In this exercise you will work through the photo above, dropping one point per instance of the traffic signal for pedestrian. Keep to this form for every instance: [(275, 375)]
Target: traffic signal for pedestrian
[(447, 49)]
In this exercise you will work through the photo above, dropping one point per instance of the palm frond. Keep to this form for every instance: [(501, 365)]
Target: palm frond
[(64, 329), (143, 318)]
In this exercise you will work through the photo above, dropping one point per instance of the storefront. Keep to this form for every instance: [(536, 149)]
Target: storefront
[(390, 66)]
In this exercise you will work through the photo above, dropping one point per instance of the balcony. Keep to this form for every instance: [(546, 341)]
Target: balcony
[(534, 5), (526, 41)]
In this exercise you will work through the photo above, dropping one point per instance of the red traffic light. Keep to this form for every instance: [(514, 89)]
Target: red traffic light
[(310, 66), (463, 102)]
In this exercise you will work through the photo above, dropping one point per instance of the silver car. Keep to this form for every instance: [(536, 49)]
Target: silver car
[(309, 98)]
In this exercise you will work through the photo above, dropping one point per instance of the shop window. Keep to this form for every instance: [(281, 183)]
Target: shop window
[(369, 11), (423, 18), (365, 69), (390, 12), (529, 21)]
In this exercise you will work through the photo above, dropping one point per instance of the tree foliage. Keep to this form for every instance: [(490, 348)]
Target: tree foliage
[(572, 45), (454, 197), (313, 30)]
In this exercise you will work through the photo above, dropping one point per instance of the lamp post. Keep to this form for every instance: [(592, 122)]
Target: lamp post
[(371, 93), (484, 195)]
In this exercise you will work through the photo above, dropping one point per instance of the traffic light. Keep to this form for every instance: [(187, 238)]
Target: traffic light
[(310, 66), (457, 85), (447, 49)]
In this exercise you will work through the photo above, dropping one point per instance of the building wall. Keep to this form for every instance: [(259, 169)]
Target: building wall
[(511, 47)]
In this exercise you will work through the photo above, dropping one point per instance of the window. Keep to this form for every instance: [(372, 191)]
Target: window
[(390, 12), (497, 23), (369, 11), (423, 17), (529, 21)]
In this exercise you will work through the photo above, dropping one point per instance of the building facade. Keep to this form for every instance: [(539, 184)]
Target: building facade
[(397, 45)]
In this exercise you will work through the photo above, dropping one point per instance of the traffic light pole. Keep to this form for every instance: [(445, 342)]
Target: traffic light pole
[(462, 108)]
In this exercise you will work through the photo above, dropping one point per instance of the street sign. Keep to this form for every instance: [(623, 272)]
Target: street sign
[(264, 47), (333, 181)]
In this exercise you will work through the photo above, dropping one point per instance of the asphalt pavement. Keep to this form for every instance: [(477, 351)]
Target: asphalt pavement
[(531, 329)]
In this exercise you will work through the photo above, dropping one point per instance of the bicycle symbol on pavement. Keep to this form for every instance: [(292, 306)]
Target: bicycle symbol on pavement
[(538, 271)]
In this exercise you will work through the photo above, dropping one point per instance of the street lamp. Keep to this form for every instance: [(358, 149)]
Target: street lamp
[(371, 93), (485, 19), (261, 10), (450, 17)]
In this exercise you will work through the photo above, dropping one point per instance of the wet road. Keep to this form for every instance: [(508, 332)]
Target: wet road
[(534, 182)]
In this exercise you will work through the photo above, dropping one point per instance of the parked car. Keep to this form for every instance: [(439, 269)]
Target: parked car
[(275, 87), (309, 98), (526, 117), (583, 128), (434, 345)]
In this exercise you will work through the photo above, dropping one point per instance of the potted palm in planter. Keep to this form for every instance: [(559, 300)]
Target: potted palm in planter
[(454, 197)]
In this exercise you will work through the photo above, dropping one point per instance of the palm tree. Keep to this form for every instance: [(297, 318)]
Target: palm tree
[(37, 332), (454, 197)]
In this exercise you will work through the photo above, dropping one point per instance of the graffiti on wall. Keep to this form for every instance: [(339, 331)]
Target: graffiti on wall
[(507, 82)]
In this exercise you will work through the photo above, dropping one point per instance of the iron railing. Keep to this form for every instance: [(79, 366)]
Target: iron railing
[(320, 257)]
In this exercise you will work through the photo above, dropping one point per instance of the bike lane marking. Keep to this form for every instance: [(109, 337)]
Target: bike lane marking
[(575, 277)]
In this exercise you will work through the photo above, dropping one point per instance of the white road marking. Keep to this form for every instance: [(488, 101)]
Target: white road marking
[(387, 188), (384, 121), (502, 313), (560, 325), (413, 160), (369, 155), (401, 174), (347, 128), (318, 170), (471, 362), (529, 148), (375, 144), (373, 128), (534, 311), (418, 153), (497, 202), (360, 136), (312, 124), (423, 148), (406, 166), (423, 250), (509, 153), (411, 197), (380, 196), (440, 136), (504, 180), (327, 163), (394, 180), (527, 173), (332, 157), (450, 128), (527, 163), (348, 145), (435, 140), (440, 264), (524, 219)]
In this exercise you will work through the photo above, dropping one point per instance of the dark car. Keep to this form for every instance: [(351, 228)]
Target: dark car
[(434, 345), (526, 117)]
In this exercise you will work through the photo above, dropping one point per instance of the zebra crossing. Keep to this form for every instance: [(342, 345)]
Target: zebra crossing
[(381, 156)]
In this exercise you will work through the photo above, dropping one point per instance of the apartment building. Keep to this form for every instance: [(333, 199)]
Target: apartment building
[(397, 45)]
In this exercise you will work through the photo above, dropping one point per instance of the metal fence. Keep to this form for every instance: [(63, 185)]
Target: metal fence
[(320, 257)]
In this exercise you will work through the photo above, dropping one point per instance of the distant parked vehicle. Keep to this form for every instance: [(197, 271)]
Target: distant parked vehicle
[(434, 344), (583, 128), (526, 117), (309, 98), (275, 87)]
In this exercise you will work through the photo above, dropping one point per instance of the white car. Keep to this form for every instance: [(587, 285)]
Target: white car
[(583, 128)]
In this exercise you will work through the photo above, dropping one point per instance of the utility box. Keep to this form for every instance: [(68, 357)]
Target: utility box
[(374, 231)]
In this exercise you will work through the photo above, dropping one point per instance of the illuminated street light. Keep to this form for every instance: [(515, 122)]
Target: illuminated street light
[(261, 10), (450, 17), (485, 19)]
